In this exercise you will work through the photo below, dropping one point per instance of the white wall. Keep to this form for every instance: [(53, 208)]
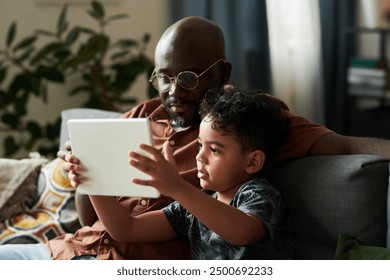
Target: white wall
[(144, 16)]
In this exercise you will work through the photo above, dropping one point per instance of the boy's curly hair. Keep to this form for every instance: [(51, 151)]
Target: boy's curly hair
[(254, 118)]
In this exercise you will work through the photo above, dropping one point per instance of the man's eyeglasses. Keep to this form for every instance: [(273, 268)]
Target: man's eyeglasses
[(186, 79)]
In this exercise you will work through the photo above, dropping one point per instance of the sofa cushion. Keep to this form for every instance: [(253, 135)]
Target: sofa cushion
[(18, 185), (81, 113), (331, 195)]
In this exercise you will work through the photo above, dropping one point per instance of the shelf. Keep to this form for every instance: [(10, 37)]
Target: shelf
[(358, 121), (366, 30)]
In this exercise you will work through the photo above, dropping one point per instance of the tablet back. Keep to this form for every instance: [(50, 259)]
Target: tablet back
[(102, 146)]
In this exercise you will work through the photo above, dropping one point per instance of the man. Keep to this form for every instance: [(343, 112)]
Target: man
[(194, 45)]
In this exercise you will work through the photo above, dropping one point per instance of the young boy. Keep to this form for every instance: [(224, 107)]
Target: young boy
[(244, 218)]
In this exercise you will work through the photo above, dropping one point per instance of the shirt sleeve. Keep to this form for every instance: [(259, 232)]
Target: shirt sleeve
[(262, 201), (303, 135), (178, 217)]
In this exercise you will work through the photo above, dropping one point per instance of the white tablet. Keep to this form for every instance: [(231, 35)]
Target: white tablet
[(102, 146)]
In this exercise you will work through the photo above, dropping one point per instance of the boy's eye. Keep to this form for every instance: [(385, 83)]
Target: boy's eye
[(199, 145), (214, 151)]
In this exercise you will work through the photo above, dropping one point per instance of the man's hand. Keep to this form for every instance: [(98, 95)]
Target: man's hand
[(85, 210), (72, 165)]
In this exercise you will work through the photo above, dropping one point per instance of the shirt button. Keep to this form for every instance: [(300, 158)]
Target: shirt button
[(171, 142), (106, 241), (143, 202)]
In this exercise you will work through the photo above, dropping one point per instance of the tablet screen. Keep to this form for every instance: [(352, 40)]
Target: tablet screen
[(102, 146)]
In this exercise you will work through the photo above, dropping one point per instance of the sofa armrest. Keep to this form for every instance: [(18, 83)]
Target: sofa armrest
[(331, 195)]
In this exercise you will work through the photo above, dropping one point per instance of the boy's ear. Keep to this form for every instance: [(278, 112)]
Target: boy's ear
[(256, 160)]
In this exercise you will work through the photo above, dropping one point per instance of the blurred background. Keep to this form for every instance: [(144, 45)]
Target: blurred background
[(303, 51)]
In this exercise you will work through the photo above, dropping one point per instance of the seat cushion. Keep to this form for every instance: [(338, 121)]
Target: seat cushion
[(332, 195)]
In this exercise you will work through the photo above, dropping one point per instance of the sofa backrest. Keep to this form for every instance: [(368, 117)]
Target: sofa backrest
[(331, 195), (81, 113)]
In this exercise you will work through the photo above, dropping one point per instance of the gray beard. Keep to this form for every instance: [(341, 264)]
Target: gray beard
[(178, 123)]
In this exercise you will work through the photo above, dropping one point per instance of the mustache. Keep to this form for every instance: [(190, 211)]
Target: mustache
[(177, 101)]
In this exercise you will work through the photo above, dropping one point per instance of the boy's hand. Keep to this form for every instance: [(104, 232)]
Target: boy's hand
[(163, 174), (168, 155)]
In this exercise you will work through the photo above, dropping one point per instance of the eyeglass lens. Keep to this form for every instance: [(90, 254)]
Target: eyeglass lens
[(188, 80)]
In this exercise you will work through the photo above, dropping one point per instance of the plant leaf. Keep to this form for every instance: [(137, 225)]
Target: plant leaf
[(146, 38), (10, 146), (10, 119), (45, 51), (127, 43), (45, 33), (87, 30), (87, 52), (97, 11), (34, 129), (11, 34), (72, 36), (51, 74), (52, 130), (26, 42), (119, 55), (62, 24), (20, 104), (25, 55), (116, 17), (3, 74)]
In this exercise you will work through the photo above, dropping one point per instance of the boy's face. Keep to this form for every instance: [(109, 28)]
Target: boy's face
[(221, 162)]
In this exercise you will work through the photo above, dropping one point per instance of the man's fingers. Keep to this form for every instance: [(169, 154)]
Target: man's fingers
[(69, 157), (61, 154), (68, 146), (73, 179)]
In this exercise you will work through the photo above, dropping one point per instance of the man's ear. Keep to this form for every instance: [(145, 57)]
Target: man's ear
[(256, 160)]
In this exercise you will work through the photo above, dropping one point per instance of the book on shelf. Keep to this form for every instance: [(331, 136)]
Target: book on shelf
[(367, 77), (366, 90), (355, 76), (368, 62), (367, 72)]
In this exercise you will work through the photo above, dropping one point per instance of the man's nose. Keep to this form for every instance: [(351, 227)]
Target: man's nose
[(176, 90)]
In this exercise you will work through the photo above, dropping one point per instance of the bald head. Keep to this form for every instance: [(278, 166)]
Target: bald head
[(194, 33)]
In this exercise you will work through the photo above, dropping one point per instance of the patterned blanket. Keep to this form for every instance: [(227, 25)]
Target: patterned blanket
[(51, 213)]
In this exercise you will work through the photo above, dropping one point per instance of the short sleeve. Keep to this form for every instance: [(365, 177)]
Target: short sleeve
[(303, 135), (262, 201), (179, 218)]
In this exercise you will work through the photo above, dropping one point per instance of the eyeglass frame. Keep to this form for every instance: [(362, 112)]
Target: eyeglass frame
[(172, 79)]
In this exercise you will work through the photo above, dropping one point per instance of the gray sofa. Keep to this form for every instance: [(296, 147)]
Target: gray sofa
[(327, 196), (332, 195)]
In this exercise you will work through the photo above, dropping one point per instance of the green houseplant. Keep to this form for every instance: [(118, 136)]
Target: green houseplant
[(105, 69)]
